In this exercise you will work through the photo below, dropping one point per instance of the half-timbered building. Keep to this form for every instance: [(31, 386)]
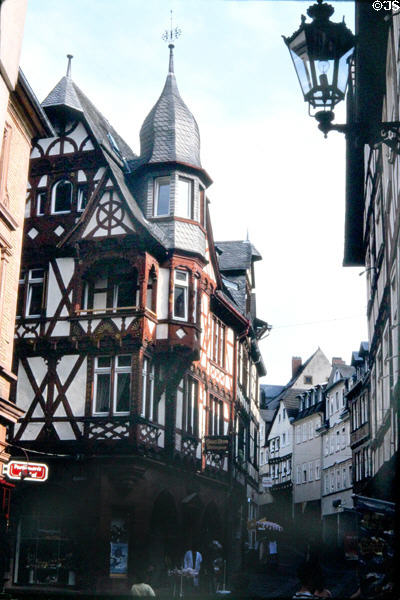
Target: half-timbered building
[(136, 352)]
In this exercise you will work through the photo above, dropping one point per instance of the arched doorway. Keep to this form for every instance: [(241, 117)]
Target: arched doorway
[(164, 542)]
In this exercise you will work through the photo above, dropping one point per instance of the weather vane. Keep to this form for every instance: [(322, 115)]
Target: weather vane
[(171, 35)]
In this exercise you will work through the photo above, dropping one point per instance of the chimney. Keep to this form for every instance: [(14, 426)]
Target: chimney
[(296, 365), (337, 360)]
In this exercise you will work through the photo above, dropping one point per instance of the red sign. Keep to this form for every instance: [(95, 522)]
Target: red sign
[(16, 469)]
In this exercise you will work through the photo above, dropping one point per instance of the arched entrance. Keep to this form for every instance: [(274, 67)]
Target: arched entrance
[(164, 542)]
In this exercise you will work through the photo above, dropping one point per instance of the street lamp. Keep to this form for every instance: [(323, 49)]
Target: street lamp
[(321, 53)]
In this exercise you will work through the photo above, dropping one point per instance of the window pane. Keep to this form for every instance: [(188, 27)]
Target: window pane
[(103, 361), (184, 199), (124, 360), (82, 197), (102, 392), (125, 294), (63, 197), (179, 302), (181, 275), (162, 198), (41, 203), (35, 299), (123, 392)]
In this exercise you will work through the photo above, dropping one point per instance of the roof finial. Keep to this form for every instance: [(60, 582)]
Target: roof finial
[(70, 57), (171, 36)]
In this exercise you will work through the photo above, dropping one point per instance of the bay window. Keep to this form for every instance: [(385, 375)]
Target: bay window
[(112, 382)]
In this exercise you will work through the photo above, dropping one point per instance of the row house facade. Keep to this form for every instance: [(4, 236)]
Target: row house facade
[(280, 409), (372, 228), (136, 352), (21, 120)]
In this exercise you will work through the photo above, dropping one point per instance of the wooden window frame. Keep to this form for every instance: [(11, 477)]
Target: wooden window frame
[(113, 371)]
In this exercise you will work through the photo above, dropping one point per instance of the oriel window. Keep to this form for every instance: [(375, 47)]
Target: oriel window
[(181, 285), (62, 197), (148, 406), (162, 194)]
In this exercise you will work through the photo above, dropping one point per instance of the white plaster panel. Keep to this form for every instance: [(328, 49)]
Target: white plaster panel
[(61, 329), (88, 145), (161, 439), (99, 174), (90, 226), (151, 325), (162, 331), (178, 441), (68, 147), (128, 222), (60, 412), (38, 412), (117, 322), (84, 325), (81, 176), (53, 294), (45, 143), (28, 209), (179, 408), (79, 134), (24, 389), (43, 181), (77, 390), (116, 231), (162, 294), (35, 153), (161, 410), (64, 431), (55, 149), (128, 321), (66, 267), (32, 431), (39, 368)]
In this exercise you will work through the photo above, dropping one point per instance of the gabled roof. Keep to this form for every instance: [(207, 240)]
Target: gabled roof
[(236, 255), (290, 400), (345, 372)]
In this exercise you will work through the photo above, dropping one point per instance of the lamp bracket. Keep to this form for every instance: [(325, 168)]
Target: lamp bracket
[(386, 132)]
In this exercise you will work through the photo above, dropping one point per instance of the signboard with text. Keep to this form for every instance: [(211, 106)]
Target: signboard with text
[(217, 444), (27, 471)]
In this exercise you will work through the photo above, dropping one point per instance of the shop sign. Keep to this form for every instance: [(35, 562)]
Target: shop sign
[(266, 482), (217, 444), (31, 471)]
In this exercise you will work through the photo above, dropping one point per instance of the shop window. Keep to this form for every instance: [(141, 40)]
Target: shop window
[(30, 293), (41, 202), (162, 191), (184, 198), (45, 552), (112, 377), (148, 405), (181, 288), (61, 200)]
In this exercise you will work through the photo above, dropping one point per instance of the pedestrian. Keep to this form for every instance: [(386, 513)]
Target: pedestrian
[(305, 574), (140, 587), (273, 551)]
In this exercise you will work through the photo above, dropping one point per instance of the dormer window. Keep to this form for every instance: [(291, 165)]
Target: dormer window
[(162, 193), (181, 288), (61, 197), (183, 199)]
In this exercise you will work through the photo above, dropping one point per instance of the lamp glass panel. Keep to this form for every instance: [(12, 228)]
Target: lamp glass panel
[(343, 71), (302, 66)]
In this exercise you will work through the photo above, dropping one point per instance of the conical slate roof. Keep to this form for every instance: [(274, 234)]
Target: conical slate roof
[(170, 131), (63, 95)]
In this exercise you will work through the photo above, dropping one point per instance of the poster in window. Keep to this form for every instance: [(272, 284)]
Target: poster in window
[(118, 547)]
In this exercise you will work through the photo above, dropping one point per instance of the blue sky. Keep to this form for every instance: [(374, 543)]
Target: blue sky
[(274, 173)]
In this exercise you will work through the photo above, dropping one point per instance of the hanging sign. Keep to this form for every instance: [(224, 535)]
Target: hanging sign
[(217, 444), (27, 471)]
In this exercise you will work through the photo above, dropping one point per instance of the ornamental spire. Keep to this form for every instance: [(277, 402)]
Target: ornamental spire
[(171, 36), (70, 57)]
